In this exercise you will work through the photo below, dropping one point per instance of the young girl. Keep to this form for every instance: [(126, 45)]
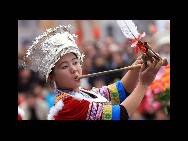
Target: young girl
[(57, 58)]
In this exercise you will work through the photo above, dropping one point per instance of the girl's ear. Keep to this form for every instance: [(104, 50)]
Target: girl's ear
[(50, 78), (51, 81)]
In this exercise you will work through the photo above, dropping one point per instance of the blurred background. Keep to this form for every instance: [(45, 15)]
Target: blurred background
[(105, 48)]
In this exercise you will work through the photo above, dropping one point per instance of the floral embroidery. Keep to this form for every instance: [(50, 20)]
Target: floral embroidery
[(89, 110), (114, 94), (95, 111), (61, 96), (104, 92), (107, 112)]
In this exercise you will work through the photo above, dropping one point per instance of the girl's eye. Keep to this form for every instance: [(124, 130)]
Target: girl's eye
[(64, 67), (75, 62)]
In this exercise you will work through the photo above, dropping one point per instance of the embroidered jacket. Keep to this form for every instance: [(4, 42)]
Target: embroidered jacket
[(96, 104)]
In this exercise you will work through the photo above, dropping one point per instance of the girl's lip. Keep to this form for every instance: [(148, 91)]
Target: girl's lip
[(77, 80), (76, 77)]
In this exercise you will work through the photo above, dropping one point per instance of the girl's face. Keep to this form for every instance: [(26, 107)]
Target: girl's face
[(66, 70)]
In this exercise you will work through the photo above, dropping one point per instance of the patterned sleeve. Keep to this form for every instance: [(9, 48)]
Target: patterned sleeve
[(99, 111), (111, 112), (115, 92)]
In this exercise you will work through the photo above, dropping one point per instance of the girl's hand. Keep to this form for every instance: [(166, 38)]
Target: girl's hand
[(148, 74), (138, 61)]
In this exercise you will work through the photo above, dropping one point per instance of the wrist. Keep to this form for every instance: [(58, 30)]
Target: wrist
[(142, 85), (134, 72)]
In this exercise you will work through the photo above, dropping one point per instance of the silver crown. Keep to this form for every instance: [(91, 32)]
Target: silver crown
[(47, 49)]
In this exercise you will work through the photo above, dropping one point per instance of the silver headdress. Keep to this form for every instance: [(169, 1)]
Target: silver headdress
[(47, 49)]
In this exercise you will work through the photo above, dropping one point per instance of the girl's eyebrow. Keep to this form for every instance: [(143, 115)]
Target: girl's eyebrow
[(74, 58), (67, 61)]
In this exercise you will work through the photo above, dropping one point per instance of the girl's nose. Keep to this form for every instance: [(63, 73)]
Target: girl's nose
[(73, 69)]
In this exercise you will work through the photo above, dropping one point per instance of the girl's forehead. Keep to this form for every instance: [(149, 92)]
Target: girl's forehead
[(66, 58)]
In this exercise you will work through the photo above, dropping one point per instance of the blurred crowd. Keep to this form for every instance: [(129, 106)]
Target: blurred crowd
[(105, 48)]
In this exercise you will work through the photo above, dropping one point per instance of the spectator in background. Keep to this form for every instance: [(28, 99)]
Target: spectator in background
[(105, 52), (99, 65), (20, 114), (50, 96), (24, 80), (128, 53), (117, 62), (79, 32), (23, 48), (91, 49), (163, 44), (96, 31), (26, 77), (161, 115), (35, 106), (110, 30)]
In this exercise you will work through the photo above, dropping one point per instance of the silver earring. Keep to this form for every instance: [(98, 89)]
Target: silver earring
[(55, 87)]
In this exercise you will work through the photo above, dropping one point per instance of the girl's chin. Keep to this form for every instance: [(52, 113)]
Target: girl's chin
[(76, 83)]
